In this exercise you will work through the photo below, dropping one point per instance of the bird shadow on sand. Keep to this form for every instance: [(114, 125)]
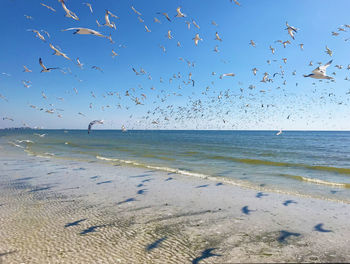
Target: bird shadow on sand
[(202, 186), (142, 191), (91, 229), (25, 179), (94, 177), (127, 201), (207, 253), (155, 244), (7, 253), (169, 179), (75, 223), (147, 180), (40, 189), (260, 194), (319, 228), (287, 202), (285, 234), (140, 176), (99, 183), (219, 184), (245, 210)]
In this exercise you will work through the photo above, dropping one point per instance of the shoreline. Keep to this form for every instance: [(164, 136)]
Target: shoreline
[(122, 214)]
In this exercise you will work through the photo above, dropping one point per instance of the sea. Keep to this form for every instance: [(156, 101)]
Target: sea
[(306, 163)]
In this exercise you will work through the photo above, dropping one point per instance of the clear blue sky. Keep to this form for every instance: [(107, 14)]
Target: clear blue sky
[(322, 105)]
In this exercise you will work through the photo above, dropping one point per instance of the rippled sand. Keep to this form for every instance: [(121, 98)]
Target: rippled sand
[(54, 211)]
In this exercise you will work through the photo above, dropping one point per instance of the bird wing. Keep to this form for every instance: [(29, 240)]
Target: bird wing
[(41, 63)]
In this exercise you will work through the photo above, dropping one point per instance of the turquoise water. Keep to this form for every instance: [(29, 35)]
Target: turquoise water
[(308, 163)]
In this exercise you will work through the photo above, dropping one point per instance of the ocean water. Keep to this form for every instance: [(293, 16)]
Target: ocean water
[(311, 163)]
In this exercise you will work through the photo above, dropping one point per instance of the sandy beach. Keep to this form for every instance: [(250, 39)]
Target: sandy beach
[(58, 211)]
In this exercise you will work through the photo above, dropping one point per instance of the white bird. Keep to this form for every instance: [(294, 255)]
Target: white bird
[(89, 5), (217, 37), (39, 135), (44, 68), (108, 22), (137, 12), (147, 29), (26, 69), (58, 53), (227, 74), (93, 123), (114, 54), (252, 43), (179, 13), (169, 34), (79, 63), (196, 39), (85, 31), (291, 30), (68, 12), (49, 7), (279, 132), (320, 72), (195, 24), (38, 35)]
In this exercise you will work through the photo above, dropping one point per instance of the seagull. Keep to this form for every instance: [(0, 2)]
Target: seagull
[(89, 5), (156, 20), (272, 50), (59, 53), (114, 54), (252, 43), (68, 12), (196, 39), (147, 29), (79, 63), (97, 68), (217, 37), (93, 123), (44, 68), (38, 35), (291, 30), (227, 74), (108, 23), (328, 51), (137, 12), (166, 16), (279, 132), (301, 46), (39, 135), (254, 71), (28, 17), (236, 2), (85, 31), (216, 48), (284, 60), (214, 23), (26, 69), (320, 72), (195, 24), (49, 7), (169, 34), (179, 13)]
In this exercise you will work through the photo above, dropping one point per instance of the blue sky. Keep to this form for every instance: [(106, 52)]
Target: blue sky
[(322, 105)]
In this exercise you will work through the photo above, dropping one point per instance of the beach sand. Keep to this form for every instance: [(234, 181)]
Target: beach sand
[(63, 211)]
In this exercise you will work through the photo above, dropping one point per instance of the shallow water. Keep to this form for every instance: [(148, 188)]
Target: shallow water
[(309, 163)]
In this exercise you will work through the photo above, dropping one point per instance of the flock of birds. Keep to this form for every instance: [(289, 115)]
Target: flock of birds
[(207, 102)]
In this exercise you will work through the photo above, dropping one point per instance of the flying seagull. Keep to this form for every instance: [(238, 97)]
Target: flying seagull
[(26, 69), (38, 35), (44, 68), (291, 30), (89, 5), (196, 39), (85, 31), (58, 53), (320, 72), (179, 13), (137, 12), (68, 12), (166, 16), (49, 7), (93, 123)]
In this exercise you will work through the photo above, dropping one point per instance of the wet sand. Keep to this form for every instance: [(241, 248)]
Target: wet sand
[(59, 211)]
